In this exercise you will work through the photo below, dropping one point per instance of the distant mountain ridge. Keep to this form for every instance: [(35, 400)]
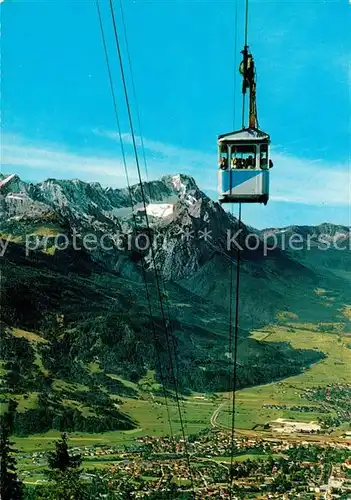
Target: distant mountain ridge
[(325, 229), (72, 197), (89, 304), (190, 238), (325, 248)]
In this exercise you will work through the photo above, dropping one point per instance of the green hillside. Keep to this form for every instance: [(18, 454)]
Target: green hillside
[(67, 354)]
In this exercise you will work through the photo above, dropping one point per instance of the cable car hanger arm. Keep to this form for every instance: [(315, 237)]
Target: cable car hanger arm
[(247, 70)]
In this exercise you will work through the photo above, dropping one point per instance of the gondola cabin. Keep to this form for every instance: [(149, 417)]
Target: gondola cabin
[(244, 163)]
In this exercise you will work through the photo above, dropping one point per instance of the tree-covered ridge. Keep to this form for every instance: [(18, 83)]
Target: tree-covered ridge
[(91, 311), (11, 488), (52, 407), (90, 342)]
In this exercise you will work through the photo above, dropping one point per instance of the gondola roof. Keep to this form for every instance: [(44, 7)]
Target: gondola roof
[(246, 135)]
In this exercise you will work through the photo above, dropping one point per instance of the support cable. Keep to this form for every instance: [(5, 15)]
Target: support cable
[(113, 95), (134, 92), (235, 61), (234, 348), (246, 28), (246, 21), (230, 320), (166, 326), (230, 343), (140, 131), (149, 186), (235, 364)]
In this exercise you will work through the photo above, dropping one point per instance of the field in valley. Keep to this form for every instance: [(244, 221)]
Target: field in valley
[(201, 411), (291, 392)]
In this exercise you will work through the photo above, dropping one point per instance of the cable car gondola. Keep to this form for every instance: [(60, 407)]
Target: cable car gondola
[(243, 155)]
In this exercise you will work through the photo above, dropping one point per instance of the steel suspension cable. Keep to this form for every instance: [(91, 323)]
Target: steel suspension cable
[(139, 127), (230, 319), (246, 22), (113, 95), (234, 348), (246, 29), (134, 91), (149, 185), (235, 61), (166, 326), (230, 335), (236, 339)]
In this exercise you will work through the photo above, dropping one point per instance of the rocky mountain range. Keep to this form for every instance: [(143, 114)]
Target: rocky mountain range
[(87, 254), (191, 239)]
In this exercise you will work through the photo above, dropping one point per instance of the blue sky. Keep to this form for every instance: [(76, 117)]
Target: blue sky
[(57, 112)]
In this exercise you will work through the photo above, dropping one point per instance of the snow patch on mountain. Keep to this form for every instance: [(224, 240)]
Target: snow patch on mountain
[(7, 180), (160, 209), (178, 184)]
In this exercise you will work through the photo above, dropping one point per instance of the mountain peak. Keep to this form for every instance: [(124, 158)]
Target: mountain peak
[(181, 183), (11, 184), (6, 179), (326, 228)]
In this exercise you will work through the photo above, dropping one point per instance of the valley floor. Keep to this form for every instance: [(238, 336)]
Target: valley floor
[(293, 398), (313, 407)]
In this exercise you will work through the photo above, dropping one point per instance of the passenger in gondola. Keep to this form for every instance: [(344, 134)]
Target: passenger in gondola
[(223, 163), (263, 161), (234, 162), (249, 162)]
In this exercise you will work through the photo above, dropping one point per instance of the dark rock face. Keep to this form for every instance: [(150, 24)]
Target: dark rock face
[(184, 234), (98, 281)]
